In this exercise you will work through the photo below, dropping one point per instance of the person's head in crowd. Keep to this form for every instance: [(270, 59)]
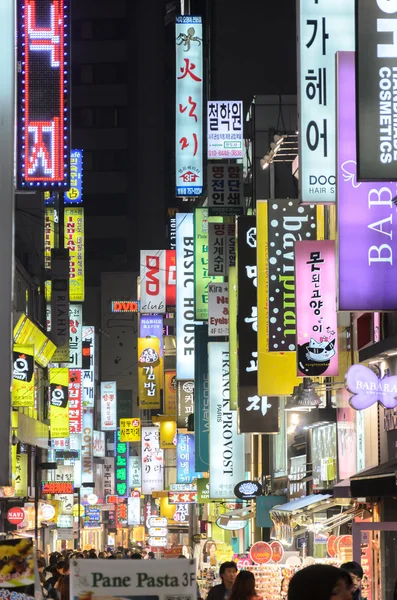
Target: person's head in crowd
[(228, 573), (244, 586), (136, 556), (356, 573), (320, 582)]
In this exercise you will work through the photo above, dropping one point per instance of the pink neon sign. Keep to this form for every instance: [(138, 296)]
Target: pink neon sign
[(316, 327)]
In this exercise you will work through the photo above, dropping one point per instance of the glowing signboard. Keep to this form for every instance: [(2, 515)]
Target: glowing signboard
[(368, 388), (74, 242), (225, 129), (125, 306), (189, 106), (43, 94), (57, 487), (74, 195)]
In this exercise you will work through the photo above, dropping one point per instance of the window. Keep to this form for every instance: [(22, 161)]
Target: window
[(110, 73), (101, 116), (83, 117), (106, 160), (103, 205), (110, 29)]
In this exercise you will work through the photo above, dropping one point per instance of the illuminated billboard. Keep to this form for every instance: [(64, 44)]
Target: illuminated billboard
[(74, 242), (125, 306), (74, 195), (43, 94), (225, 129), (189, 106), (153, 282)]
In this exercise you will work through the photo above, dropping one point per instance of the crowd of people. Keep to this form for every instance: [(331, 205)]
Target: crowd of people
[(316, 582)]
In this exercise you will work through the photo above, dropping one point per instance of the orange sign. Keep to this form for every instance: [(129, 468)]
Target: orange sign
[(57, 487), (125, 306), (277, 551), (261, 553), (331, 545)]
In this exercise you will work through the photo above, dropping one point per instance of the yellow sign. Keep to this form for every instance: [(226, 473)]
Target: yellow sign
[(149, 373), (74, 242), (59, 405), (27, 333), (276, 370), (167, 434), (49, 243), (23, 380), (130, 430), (233, 337), (75, 510), (170, 393), (20, 476)]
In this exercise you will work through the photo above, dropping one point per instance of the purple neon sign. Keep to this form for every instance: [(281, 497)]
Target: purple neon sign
[(368, 388), (367, 219)]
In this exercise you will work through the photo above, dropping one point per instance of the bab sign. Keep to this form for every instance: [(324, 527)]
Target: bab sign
[(376, 47)]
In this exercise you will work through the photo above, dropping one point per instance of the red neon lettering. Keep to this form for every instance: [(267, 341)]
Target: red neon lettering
[(152, 282)]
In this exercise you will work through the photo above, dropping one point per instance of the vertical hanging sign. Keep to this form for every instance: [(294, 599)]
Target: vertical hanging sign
[(184, 296), (153, 281), (201, 277), (74, 242), (108, 406), (189, 106), (316, 327), (152, 461), (74, 195), (201, 411), (121, 458), (43, 138), (323, 29)]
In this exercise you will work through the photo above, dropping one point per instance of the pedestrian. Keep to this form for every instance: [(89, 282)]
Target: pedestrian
[(228, 573), (244, 587), (151, 556), (64, 587), (320, 582), (136, 556), (356, 573)]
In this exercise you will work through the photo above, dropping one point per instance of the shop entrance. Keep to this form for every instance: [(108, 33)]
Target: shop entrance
[(371, 542)]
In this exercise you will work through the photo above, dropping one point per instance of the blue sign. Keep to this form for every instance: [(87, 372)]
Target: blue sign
[(185, 471), (201, 399), (74, 195), (152, 325)]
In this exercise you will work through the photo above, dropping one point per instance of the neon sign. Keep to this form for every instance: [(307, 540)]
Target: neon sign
[(43, 94), (74, 195), (367, 388)]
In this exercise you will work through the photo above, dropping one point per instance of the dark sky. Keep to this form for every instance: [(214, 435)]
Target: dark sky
[(253, 48)]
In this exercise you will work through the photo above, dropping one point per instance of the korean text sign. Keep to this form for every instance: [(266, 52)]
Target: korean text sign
[(74, 242), (316, 327), (153, 281), (108, 406), (227, 447), (149, 379), (59, 399), (74, 195), (185, 317), (152, 325), (185, 402), (130, 430), (324, 28), (75, 401), (121, 466), (221, 248), (121, 578), (376, 51), (201, 276), (88, 341), (43, 94), (185, 458), (152, 461), (256, 414), (75, 335), (367, 220), (225, 129), (225, 189), (218, 309), (189, 106)]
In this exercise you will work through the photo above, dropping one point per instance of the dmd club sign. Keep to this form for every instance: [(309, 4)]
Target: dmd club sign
[(376, 89), (288, 223)]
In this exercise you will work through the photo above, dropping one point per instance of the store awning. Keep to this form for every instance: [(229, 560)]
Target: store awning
[(378, 481), (308, 502), (342, 489)]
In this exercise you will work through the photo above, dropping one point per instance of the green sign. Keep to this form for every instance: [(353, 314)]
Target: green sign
[(203, 490), (201, 277)]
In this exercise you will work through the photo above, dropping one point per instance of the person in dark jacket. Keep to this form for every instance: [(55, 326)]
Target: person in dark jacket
[(228, 573), (356, 573)]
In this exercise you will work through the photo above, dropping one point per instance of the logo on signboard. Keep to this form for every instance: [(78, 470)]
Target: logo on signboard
[(368, 388), (16, 515), (189, 177), (246, 490), (149, 356), (23, 366), (314, 357), (59, 395)]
